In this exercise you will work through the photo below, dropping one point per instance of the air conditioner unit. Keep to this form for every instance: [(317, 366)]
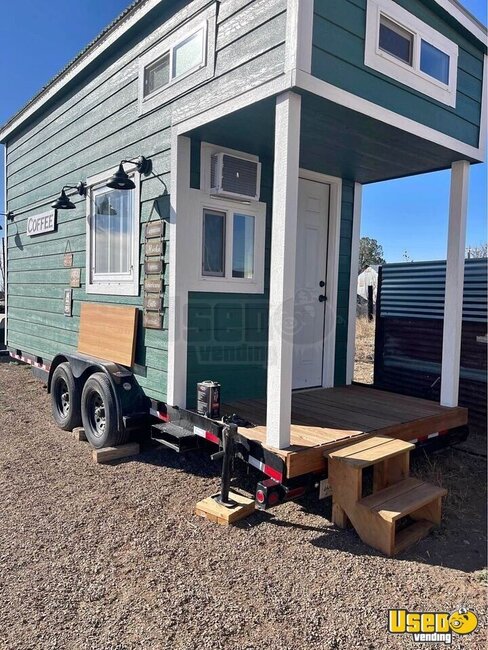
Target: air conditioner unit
[(235, 177)]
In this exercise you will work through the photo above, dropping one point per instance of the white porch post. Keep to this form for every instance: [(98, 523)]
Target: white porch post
[(353, 283), (453, 304), (178, 293), (282, 282)]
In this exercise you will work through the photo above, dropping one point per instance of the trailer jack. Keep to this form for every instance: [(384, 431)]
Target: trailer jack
[(229, 434)]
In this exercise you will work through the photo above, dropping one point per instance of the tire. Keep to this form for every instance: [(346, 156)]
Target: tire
[(99, 413), (65, 398)]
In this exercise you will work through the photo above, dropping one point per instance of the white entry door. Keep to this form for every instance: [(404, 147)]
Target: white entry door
[(310, 282)]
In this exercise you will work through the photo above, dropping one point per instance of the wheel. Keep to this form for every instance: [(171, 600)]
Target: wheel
[(65, 398), (99, 413)]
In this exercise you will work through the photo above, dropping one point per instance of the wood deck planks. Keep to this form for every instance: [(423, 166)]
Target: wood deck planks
[(371, 451), (326, 418)]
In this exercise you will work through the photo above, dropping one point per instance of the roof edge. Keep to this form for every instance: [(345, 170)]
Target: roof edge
[(122, 23)]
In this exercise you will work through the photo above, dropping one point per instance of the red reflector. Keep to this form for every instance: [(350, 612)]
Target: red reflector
[(260, 496), (273, 498)]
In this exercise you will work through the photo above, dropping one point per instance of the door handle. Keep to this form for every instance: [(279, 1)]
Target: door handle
[(321, 283), (322, 298)]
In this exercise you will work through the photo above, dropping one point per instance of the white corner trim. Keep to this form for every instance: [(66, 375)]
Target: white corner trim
[(178, 293), (484, 110), (332, 274), (299, 35), (5, 241), (409, 75), (282, 276), (353, 284), (355, 103), (453, 301)]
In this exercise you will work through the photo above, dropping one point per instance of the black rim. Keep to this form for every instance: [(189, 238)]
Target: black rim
[(62, 397), (96, 413)]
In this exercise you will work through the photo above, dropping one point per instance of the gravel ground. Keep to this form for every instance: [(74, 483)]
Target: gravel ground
[(111, 556)]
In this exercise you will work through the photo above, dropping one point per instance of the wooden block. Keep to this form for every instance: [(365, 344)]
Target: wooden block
[(219, 514), (108, 332), (339, 517), (79, 434), (106, 454)]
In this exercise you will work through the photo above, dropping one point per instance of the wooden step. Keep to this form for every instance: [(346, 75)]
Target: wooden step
[(411, 535), (402, 499), (371, 451)]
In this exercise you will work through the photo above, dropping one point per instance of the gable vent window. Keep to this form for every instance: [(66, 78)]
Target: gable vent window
[(182, 60), (401, 46)]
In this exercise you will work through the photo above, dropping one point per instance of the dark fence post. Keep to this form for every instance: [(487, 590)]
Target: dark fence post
[(370, 302)]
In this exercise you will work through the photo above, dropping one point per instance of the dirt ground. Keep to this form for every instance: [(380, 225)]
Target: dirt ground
[(364, 361), (111, 557)]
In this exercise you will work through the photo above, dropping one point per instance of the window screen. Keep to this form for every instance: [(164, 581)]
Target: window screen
[(395, 40)]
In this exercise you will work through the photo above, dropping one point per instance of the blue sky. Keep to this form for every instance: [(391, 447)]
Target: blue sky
[(38, 37)]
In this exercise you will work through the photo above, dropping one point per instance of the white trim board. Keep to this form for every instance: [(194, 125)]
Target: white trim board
[(178, 281), (344, 98), (5, 240), (332, 276), (453, 301), (353, 282), (282, 274)]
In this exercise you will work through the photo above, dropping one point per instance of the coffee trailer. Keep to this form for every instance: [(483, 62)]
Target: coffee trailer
[(184, 204)]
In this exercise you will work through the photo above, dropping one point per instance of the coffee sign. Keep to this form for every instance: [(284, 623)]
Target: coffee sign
[(41, 223)]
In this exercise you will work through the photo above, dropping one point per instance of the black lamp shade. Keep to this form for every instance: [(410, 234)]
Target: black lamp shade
[(63, 203), (120, 180)]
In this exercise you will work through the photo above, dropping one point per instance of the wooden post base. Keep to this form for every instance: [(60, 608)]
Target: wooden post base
[(106, 454), (79, 434), (219, 514)]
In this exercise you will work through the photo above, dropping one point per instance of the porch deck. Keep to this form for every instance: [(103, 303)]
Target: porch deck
[(327, 418)]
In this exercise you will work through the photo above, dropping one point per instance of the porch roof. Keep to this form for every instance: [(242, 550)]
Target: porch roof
[(335, 140)]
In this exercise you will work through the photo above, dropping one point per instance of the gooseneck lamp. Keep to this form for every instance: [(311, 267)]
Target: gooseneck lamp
[(63, 202), (121, 181)]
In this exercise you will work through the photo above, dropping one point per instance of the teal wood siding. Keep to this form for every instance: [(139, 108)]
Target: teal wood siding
[(228, 333), (89, 130), (338, 58), (343, 282)]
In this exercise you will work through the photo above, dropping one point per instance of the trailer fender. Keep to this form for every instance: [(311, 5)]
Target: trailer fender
[(128, 396)]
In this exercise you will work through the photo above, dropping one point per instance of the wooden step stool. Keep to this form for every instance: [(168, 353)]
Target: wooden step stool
[(395, 495)]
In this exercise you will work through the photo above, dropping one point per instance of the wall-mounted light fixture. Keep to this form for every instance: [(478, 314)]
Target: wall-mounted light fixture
[(9, 215), (121, 181), (63, 202)]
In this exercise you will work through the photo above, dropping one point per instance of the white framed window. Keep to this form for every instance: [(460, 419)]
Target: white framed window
[(112, 236), (230, 244), (400, 45), (224, 236), (182, 60)]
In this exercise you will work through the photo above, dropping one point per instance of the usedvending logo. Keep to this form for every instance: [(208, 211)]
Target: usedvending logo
[(432, 627)]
